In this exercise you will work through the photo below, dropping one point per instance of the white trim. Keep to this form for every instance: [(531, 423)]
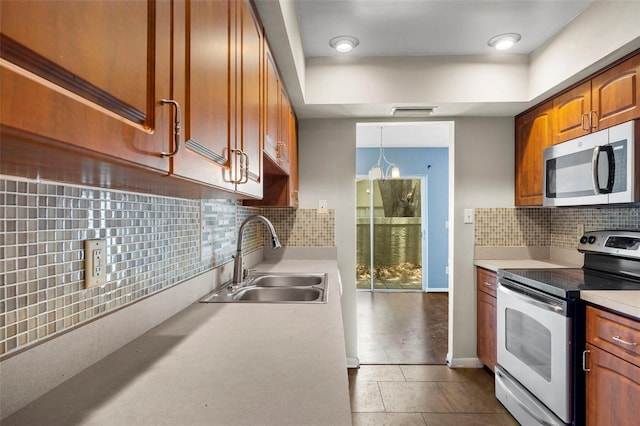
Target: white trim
[(353, 362), (437, 290), (463, 362)]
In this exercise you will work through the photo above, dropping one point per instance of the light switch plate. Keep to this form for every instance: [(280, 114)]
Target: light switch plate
[(322, 207), (95, 263), (468, 215)]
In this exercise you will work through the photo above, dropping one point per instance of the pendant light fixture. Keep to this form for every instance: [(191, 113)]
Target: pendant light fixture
[(383, 169)]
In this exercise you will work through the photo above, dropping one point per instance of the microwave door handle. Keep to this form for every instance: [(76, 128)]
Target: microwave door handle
[(594, 169), (612, 168), (595, 161)]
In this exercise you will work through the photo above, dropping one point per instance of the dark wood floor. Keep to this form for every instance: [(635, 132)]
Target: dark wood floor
[(402, 328)]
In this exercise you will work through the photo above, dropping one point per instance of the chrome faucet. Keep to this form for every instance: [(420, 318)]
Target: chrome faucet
[(238, 274)]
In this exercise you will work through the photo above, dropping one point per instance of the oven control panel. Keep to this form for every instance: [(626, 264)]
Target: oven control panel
[(620, 243)]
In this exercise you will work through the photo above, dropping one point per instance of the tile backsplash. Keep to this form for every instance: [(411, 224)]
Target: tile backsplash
[(152, 243), (554, 227)]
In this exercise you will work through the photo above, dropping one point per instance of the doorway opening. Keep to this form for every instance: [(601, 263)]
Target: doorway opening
[(402, 243)]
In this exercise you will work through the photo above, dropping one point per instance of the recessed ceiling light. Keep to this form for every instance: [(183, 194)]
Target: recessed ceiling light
[(504, 41), (344, 43)]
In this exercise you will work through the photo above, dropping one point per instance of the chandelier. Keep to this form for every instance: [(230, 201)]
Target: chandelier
[(383, 169)]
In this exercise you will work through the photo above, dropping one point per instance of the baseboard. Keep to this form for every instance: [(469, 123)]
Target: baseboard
[(353, 362), (437, 290), (464, 362)]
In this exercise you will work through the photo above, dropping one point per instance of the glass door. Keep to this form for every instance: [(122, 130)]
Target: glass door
[(390, 230)]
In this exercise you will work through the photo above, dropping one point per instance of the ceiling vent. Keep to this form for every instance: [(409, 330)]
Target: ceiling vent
[(412, 111)]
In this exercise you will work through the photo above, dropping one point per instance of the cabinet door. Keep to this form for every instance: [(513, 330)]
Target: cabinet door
[(284, 128), (204, 75), (271, 107), (612, 389), (571, 113), (616, 94), (293, 159), (533, 134), (249, 132), (486, 329), (88, 74), (486, 282)]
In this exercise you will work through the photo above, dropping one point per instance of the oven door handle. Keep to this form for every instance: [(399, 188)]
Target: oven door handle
[(533, 300)]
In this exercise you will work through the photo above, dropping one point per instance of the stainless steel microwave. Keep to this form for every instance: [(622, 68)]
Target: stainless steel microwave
[(598, 168)]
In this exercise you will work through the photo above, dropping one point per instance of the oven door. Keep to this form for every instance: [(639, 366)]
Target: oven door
[(534, 340)]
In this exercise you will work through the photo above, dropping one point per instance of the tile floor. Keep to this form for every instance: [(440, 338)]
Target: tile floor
[(424, 395)]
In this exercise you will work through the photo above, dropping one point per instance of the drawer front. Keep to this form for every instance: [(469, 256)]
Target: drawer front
[(487, 281), (614, 333)]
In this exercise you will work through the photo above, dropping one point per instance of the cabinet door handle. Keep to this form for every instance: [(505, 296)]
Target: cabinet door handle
[(244, 168), (176, 127), (592, 121), (584, 361), (618, 339), (586, 129), (488, 284)]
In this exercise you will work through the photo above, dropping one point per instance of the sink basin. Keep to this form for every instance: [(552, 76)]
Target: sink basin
[(279, 294), (285, 280), (273, 288)]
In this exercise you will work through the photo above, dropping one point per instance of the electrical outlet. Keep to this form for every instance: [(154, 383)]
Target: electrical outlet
[(322, 207), (95, 262)]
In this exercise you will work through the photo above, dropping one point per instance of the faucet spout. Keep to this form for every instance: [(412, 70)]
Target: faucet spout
[(237, 262)]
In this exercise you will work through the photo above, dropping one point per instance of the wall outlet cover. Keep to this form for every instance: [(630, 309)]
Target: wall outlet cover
[(95, 262)]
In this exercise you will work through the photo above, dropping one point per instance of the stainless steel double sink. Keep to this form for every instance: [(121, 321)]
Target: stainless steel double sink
[(273, 288)]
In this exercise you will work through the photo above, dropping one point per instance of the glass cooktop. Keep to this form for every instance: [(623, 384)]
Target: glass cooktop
[(569, 282)]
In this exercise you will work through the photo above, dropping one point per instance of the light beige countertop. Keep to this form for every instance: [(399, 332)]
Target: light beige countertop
[(494, 258), (623, 301), (495, 264), (217, 364)]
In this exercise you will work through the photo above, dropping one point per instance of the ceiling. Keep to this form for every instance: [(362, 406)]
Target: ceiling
[(424, 28), (430, 27), (398, 37)]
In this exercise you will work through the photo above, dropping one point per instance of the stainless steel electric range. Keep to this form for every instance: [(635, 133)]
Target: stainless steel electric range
[(541, 326)]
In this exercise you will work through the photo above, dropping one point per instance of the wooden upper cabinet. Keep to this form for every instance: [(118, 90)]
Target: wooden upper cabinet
[(217, 81), (571, 113), (611, 97), (89, 76), (533, 134), (615, 94), (271, 107), (293, 160), (284, 140), (249, 127), (203, 74)]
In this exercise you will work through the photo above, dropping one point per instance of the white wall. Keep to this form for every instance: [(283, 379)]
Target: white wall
[(327, 163), (604, 32), (438, 80), (483, 157)]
